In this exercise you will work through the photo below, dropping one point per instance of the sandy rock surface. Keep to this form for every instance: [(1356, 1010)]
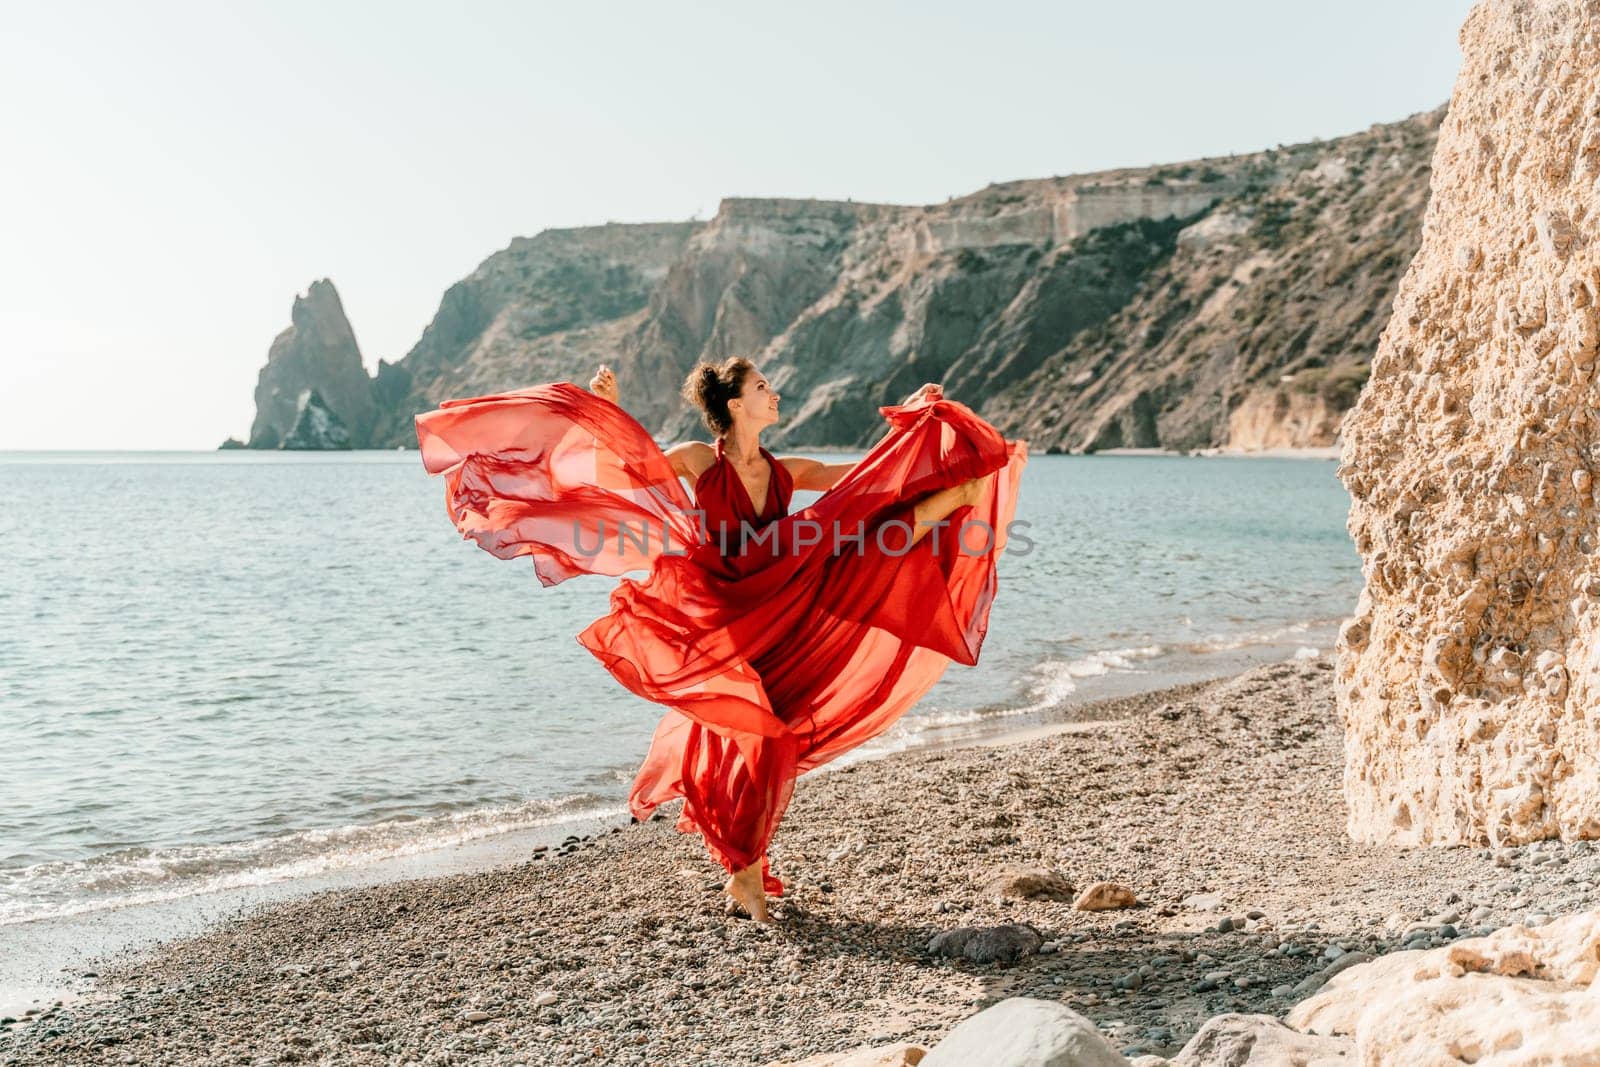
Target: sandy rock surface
[(1470, 674)]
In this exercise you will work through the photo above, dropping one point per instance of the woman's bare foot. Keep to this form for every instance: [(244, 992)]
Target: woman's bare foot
[(748, 891)]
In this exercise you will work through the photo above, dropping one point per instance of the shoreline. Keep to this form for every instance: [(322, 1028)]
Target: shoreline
[(1324, 452), (1217, 798), (35, 953)]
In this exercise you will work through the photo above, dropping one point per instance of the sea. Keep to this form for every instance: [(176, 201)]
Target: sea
[(234, 669)]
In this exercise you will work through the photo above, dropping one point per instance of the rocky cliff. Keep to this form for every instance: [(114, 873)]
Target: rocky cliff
[(317, 354), (1231, 301), (543, 309), (1470, 674)]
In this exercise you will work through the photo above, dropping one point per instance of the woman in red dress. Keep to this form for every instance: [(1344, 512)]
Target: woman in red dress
[(775, 641)]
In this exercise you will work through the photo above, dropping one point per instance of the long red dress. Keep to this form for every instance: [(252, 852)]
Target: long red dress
[(772, 654)]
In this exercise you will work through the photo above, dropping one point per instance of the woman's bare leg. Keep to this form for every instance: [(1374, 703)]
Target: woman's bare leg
[(748, 890)]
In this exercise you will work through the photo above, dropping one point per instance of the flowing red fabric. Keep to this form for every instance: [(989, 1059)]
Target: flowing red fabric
[(772, 654)]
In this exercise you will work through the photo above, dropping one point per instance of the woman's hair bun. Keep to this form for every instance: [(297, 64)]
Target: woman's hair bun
[(710, 386)]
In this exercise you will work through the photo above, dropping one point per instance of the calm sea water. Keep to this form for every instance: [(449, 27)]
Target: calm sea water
[(220, 669)]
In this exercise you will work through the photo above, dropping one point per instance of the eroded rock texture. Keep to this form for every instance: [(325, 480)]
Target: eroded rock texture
[(1519, 996), (1469, 674)]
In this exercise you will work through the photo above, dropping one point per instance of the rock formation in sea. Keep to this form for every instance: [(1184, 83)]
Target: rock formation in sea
[(316, 427), (1233, 301), (1470, 673), (318, 352)]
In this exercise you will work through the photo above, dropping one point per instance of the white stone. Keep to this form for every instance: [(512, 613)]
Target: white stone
[(1021, 1032)]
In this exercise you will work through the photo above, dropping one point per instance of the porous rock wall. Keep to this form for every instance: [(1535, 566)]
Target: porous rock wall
[(1469, 677)]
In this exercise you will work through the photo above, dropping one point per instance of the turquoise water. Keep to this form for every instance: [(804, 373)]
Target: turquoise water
[(227, 668)]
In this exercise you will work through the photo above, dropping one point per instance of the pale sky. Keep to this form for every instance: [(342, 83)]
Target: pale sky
[(174, 174)]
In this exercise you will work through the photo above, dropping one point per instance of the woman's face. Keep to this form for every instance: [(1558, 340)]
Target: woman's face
[(757, 404)]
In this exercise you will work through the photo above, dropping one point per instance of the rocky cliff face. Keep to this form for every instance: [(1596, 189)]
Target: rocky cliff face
[(543, 309), (1470, 674), (318, 352), (1252, 325), (1227, 301)]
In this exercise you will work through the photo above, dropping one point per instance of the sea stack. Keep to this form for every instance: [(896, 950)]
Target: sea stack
[(1469, 677), (318, 352)]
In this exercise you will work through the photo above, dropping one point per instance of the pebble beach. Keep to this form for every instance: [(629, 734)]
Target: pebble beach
[(1218, 804)]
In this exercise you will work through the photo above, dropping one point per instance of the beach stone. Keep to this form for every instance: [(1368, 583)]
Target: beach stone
[(474, 1016), (1104, 896), (545, 999), (1020, 884), (1471, 639), (1022, 1032), (1203, 902), (987, 944), (1259, 1041), (901, 1054)]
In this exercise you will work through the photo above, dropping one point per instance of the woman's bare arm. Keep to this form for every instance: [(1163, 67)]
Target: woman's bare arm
[(817, 475), (689, 460), (813, 473)]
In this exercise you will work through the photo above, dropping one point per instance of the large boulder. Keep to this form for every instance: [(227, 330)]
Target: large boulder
[(1021, 1032), (1470, 673), (1519, 996)]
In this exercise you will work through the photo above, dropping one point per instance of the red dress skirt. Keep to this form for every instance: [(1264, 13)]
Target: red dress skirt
[(775, 641)]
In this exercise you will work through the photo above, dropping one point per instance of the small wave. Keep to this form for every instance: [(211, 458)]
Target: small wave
[(1050, 683), (1233, 642), (144, 876), (1054, 680)]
